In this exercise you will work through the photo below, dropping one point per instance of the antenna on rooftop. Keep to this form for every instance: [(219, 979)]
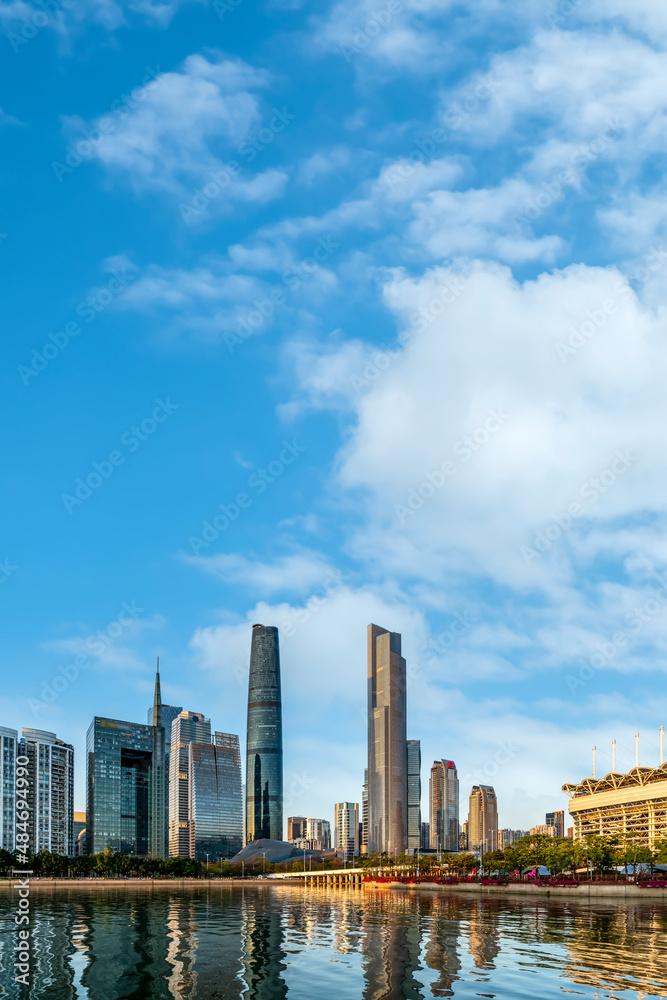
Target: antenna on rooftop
[(594, 749)]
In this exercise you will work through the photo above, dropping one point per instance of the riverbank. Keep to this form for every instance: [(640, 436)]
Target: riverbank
[(585, 890), (128, 883)]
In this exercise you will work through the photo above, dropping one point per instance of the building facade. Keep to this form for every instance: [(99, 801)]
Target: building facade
[(364, 813), (187, 728), (346, 828), (215, 823), (482, 819), (414, 758), (125, 807), (264, 745), (633, 805), (387, 746), (444, 806), (296, 828), (425, 842), (9, 739), (557, 820), (508, 837), (50, 791), (318, 833)]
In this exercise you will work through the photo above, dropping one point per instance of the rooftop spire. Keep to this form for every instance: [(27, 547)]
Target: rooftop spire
[(157, 698)]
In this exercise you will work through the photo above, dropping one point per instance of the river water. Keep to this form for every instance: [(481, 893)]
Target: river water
[(260, 942)]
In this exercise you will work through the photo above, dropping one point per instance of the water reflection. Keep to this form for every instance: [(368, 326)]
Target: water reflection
[(258, 942)]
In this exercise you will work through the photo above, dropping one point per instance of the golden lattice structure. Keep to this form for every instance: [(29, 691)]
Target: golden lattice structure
[(633, 805)]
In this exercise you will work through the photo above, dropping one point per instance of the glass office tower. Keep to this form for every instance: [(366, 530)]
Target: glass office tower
[(215, 803), (125, 795), (187, 728), (50, 791), (414, 755), (444, 806), (264, 756)]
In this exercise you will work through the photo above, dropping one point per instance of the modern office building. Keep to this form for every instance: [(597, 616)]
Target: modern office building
[(425, 842), (296, 828), (346, 828), (215, 804), (557, 820), (79, 827), (187, 728), (50, 791), (508, 837), (364, 813), (414, 758), (9, 739), (463, 836), (125, 807), (264, 746), (482, 820), (387, 746), (169, 713), (318, 833), (632, 805), (443, 796)]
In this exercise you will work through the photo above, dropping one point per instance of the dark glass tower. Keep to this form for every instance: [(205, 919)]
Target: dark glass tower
[(264, 755)]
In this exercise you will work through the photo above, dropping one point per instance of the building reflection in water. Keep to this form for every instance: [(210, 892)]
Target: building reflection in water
[(263, 949)]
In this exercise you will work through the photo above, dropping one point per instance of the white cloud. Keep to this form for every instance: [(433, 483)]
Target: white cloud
[(183, 131), (296, 573)]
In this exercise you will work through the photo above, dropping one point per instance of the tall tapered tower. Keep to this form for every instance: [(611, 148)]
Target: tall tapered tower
[(264, 753), (387, 748)]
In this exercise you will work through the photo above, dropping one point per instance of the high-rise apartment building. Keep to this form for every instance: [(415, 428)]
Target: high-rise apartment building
[(508, 837), (215, 819), (557, 820), (125, 807), (187, 728), (296, 828), (50, 791), (482, 819), (364, 813), (387, 746), (463, 836), (346, 828), (264, 746), (414, 758), (8, 743), (444, 806)]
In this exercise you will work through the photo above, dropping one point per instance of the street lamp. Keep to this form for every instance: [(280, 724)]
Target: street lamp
[(207, 857), (242, 868)]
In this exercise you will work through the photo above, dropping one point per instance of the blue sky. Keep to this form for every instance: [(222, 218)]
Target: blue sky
[(318, 315)]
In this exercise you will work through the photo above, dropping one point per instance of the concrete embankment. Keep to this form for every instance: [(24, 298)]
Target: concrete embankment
[(126, 883), (585, 890)]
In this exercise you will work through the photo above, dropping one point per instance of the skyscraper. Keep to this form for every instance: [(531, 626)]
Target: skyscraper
[(444, 806), (557, 820), (187, 728), (346, 828), (125, 807), (318, 833), (482, 819), (215, 804), (8, 742), (296, 827), (387, 749), (364, 813), (414, 756), (264, 748), (50, 792)]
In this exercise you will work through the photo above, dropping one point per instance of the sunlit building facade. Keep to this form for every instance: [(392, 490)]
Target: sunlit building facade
[(414, 758), (346, 828), (187, 728), (387, 745), (296, 828), (215, 824), (444, 806), (264, 745), (633, 805), (482, 819)]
